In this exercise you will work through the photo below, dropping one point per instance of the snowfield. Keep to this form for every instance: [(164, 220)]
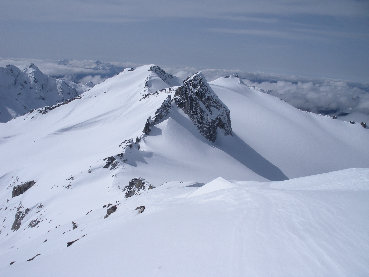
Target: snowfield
[(124, 181), (222, 228)]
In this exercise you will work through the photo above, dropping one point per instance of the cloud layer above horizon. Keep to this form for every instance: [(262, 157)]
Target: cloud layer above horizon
[(316, 38)]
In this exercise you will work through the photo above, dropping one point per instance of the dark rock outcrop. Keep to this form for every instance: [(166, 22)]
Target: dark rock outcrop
[(33, 223), (202, 105), (166, 77), (31, 259), (110, 210), (160, 115), (363, 124), (46, 109), (19, 216), (75, 226), (135, 186), (71, 242), (163, 111), (112, 162), (148, 125), (140, 209), (22, 188)]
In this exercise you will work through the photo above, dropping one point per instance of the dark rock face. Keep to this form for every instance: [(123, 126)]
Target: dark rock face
[(71, 242), (110, 210), (160, 115), (112, 162), (75, 226), (168, 78), (22, 188), (19, 216), (31, 259), (202, 105), (135, 186), (46, 109), (33, 223), (140, 209), (163, 111), (147, 127)]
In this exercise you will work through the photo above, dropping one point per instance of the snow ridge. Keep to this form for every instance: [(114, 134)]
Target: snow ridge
[(195, 98), (166, 77)]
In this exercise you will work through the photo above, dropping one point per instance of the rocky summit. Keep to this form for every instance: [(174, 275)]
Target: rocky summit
[(196, 98)]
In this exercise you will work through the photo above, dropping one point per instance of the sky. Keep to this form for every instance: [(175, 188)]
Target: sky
[(316, 38)]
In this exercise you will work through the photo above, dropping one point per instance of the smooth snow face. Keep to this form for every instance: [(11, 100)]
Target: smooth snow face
[(215, 185), (219, 229), (79, 135), (298, 143), (23, 91)]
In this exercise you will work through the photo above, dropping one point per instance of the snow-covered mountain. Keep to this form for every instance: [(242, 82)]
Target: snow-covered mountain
[(23, 91), (344, 100), (127, 176)]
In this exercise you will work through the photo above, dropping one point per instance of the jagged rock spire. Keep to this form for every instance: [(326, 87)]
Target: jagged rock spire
[(196, 98)]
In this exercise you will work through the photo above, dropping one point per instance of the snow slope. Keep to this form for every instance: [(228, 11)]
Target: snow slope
[(77, 158), (23, 91), (299, 143), (221, 228), (270, 140)]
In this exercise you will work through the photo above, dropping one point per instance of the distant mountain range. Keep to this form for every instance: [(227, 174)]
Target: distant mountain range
[(345, 100), (24, 90)]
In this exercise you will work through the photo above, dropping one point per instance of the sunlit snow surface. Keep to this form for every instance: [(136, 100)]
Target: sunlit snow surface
[(220, 229), (198, 220)]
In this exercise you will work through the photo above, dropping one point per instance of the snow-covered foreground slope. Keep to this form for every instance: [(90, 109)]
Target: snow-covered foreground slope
[(23, 91), (311, 226)]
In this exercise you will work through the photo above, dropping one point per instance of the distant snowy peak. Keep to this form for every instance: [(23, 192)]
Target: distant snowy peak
[(34, 73), (196, 98), (23, 91)]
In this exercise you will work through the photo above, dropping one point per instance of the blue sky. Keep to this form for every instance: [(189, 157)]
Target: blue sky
[(325, 38)]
